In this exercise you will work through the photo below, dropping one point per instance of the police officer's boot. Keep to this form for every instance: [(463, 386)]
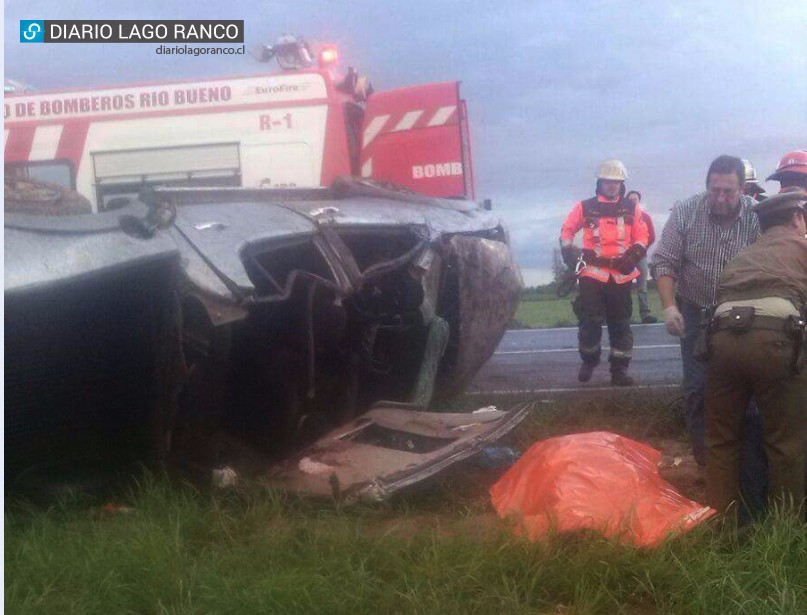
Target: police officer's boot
[(586, 370)]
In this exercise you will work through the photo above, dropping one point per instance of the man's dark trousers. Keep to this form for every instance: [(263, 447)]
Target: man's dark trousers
[(756, 363), (754, 472)]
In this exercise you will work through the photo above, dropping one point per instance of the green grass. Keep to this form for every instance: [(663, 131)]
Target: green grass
[(437, 550), (548, 310)]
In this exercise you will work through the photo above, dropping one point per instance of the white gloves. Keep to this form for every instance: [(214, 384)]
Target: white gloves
[(674, 321)]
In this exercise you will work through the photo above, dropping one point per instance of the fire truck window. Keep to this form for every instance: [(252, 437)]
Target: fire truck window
[(110, 196), (60, 173), (123, 173)]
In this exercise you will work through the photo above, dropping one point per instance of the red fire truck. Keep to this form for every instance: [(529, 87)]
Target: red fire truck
[(299, 128)]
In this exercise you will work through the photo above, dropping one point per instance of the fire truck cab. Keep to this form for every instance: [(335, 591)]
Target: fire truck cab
[(299, 128)]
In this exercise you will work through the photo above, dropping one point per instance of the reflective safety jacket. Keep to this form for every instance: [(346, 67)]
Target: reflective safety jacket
[(609, 229)]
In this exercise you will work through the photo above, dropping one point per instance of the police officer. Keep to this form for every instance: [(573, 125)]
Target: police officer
[(756, 348), (614, 241)]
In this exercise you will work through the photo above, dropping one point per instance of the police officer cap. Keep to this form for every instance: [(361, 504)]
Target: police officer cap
[(790, 198)]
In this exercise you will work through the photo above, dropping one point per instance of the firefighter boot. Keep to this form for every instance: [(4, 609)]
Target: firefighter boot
[(619, 372), (586, 370), (621, 378)]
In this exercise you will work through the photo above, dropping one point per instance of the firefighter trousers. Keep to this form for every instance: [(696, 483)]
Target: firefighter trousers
[(607, 303), (759, 363)]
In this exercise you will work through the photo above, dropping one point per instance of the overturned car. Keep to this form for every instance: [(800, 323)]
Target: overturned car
[(300, 335)]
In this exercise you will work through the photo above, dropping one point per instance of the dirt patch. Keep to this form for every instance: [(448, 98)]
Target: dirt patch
[(678, 467)]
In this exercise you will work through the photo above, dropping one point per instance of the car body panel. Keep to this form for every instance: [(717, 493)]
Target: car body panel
[(388, 449), (258, 313), (42, 251)]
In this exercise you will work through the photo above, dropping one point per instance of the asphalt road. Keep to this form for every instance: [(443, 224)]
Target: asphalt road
[(547, 360)]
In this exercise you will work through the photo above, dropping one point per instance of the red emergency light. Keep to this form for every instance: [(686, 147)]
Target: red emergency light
[(327, 55)]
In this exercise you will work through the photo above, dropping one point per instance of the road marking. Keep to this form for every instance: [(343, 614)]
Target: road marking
[(550, 350), (636, 324), (573, 389)]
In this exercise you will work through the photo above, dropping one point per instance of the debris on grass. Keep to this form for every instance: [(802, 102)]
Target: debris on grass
[(495, 457), (224, 477)]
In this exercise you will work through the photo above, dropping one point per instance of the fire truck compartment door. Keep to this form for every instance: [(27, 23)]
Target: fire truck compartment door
[(167, 163), (279, 165), (418, 138), (388, 448)]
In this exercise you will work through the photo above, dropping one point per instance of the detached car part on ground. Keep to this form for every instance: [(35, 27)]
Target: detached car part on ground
[(236, 326)]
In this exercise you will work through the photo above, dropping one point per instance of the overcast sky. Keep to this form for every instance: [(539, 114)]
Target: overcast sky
[(553, 87)]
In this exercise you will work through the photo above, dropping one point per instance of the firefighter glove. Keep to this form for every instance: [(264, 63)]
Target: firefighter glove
[(628, 261), (674, 321), (570, 255)]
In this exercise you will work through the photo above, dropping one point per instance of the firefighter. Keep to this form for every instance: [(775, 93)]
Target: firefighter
[(752, 187), (756, 347), (614, 241), (792, 170)]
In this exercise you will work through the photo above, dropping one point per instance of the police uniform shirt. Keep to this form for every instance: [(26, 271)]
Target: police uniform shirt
[(774, 266)]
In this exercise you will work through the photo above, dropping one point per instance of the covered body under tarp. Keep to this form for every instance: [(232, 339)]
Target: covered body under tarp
[(596, 481)]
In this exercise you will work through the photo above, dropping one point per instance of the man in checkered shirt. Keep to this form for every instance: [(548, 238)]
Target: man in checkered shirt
[(703, 233)]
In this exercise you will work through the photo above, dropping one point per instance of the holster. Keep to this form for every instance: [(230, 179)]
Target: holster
[(701, 351), (742, 319), (797, 328)]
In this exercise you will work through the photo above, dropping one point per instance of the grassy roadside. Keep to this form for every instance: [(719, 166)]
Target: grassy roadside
[(437, 550), (547, 310)]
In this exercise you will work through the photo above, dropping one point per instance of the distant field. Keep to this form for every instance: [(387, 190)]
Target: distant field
[(548, 310)]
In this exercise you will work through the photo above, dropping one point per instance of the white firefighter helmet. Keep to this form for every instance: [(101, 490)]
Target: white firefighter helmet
[(750, 172), (613, 169)]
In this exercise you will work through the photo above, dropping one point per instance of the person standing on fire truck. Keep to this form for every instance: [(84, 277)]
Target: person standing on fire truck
[(614, 241)]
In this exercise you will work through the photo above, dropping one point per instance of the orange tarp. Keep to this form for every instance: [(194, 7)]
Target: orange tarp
[(600, 481)]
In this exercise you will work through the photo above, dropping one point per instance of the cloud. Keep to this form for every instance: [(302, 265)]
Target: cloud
[(553, 87)]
